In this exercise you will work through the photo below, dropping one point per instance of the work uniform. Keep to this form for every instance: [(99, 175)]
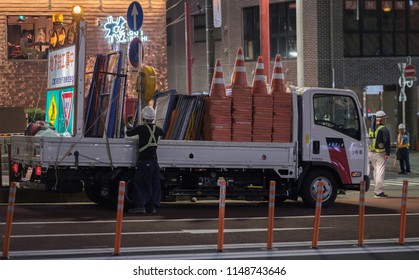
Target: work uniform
[(403, 144), (379, 149), (147, 190)]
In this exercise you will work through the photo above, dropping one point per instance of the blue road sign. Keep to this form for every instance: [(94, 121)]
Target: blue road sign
[(135, 16), (134, 49)]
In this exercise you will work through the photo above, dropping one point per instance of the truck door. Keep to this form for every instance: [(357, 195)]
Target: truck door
[(338, 138)]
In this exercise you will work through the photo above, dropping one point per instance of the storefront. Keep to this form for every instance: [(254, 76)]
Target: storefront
[(23, 79)]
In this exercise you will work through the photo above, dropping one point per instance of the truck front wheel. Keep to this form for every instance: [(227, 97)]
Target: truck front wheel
[(308, 190)]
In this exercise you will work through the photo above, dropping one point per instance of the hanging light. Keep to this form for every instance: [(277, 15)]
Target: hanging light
[(387, 6), (77, 11), (20, 19)]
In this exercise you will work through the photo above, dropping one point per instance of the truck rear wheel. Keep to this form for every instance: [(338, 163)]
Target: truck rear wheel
[(309, 188)]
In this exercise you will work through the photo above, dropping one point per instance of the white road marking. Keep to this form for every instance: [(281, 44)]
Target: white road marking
[(247, 251)]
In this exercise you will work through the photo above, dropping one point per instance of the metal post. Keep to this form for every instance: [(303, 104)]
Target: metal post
[(188, 48), (79, 85), (402, 84), (209, 22)]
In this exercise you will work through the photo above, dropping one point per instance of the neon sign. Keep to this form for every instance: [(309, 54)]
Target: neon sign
[(117, 31)]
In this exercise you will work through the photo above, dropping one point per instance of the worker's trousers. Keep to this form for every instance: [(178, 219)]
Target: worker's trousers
[(378, 163)]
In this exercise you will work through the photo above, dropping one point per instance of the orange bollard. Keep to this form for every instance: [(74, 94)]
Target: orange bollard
[(271, 214), (119, 218), (361, 219), (9, 220), (316, 227), (9, 158), (221, 215), (403, 213)]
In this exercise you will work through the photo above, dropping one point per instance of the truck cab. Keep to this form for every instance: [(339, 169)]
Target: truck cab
[(333, 142)]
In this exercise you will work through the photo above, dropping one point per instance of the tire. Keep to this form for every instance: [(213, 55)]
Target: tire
[(308, 190)]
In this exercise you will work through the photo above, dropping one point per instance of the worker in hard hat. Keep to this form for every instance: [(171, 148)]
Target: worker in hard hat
[(403, 145), (147, 190), (379, 152)]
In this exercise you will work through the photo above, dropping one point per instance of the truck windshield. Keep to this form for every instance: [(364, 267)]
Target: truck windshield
[(338, 113)]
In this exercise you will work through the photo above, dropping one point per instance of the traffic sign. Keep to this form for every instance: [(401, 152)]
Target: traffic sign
[(410, 70), (134, 49), (135, 16)]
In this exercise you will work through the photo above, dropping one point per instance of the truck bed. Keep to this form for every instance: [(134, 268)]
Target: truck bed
[(62, 151)]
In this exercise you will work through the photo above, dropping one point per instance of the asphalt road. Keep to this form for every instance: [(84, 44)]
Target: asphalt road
[(186, 230)]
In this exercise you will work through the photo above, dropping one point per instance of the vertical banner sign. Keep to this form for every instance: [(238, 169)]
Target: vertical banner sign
[(61, 67), (60, 109), (216, 4)]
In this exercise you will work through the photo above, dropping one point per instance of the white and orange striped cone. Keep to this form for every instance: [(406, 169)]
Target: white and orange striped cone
[(218, 89), (278, 78), (282, 103), (259, 80), (239, 78)]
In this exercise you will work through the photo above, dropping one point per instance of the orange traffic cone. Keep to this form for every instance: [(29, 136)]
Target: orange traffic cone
[(278, 79), (218, 89), (259, 80), (282, 103), (239, 78)]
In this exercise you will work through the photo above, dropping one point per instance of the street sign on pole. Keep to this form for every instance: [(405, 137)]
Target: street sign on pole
[(410, 70), (135, 48), (135, 16)]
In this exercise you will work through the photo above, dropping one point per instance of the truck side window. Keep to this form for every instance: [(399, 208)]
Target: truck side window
[(338, 113)]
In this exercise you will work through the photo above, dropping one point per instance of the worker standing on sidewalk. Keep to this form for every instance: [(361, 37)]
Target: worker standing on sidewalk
[(403, 144), (379, 152)]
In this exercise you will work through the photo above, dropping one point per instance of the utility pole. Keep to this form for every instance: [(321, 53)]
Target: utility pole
[(264, 36), (209, 23), (188, 47)]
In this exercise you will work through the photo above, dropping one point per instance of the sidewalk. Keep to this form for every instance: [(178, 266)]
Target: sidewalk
[(392, 171)]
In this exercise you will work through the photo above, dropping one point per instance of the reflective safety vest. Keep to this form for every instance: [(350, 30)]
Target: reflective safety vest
[(152, 142), (403, 141), (373, 135)]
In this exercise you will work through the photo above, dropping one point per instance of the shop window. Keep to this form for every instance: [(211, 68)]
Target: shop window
[(28, 37), (282, 27), (380, 28), (199, 31)]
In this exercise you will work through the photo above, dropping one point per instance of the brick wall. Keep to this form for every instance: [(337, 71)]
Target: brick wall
[(23, 82)]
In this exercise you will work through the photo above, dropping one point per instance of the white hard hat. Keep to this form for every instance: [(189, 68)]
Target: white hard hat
[(380, 114), (402, 126), (148, 113)]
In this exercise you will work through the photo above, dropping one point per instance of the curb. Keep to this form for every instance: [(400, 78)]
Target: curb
[(24, 195)]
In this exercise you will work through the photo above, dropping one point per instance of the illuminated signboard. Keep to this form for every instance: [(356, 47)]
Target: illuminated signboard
[(117, 31), (61, 67)]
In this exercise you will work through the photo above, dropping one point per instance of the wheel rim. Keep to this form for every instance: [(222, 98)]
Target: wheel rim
[(327, 188)]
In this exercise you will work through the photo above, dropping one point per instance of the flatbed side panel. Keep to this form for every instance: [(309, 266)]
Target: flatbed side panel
[(25, 149), (62, 151), (212, 154)]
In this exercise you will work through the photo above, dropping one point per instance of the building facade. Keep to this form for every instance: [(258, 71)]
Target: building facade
[(23, 78), (354, 44)]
